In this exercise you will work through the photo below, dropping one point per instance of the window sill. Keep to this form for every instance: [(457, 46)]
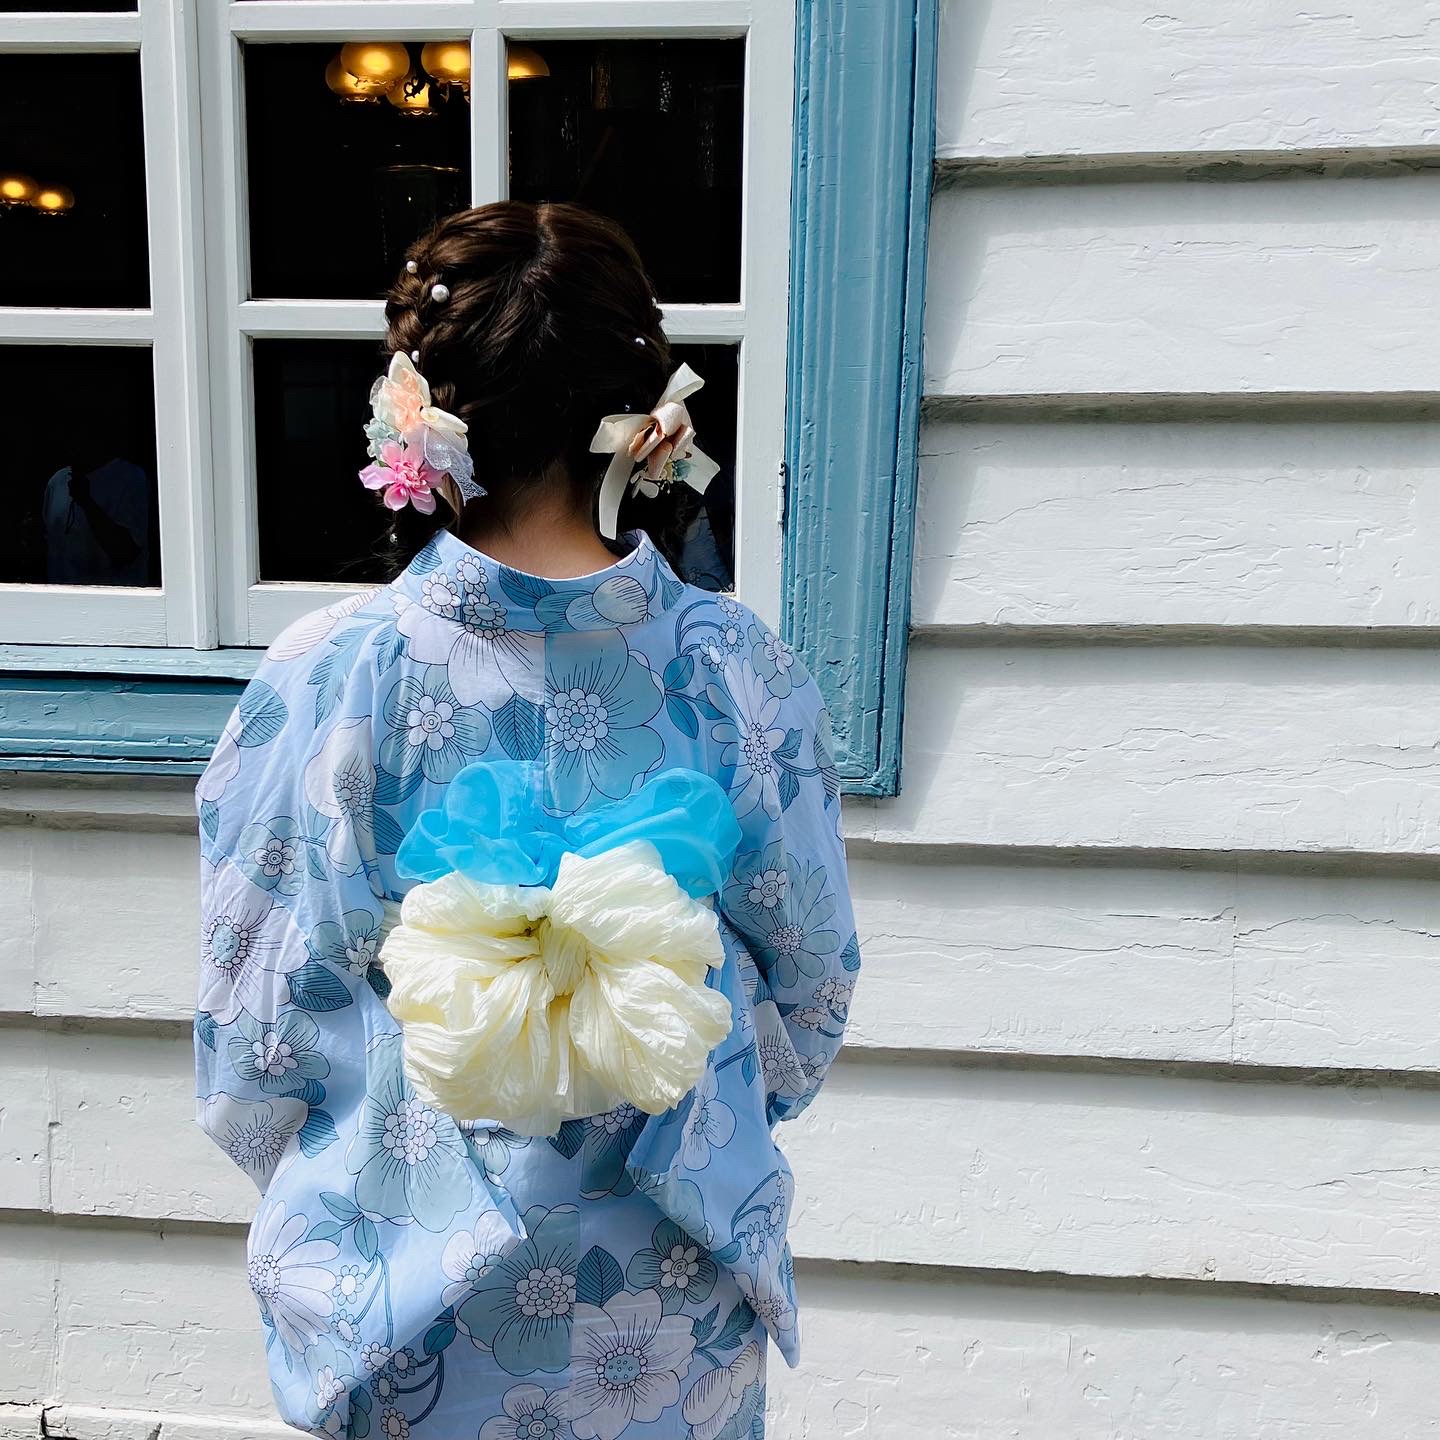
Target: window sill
[(115, 710)]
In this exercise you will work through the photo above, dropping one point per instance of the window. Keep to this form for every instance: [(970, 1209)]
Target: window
[(513, 97), (105, 542), (224, 336), (260, 178)]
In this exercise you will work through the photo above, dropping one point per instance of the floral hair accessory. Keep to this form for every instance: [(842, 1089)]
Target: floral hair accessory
[(418, 449), (651, 452)]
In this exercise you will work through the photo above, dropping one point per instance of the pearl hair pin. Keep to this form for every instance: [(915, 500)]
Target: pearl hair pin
[(439, 293), (415, 356), (411, 268)]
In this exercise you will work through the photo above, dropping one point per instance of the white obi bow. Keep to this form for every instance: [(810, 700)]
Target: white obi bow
[(583, 985)]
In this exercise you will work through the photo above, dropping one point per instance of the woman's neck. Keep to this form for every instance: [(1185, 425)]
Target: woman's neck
[(545, 535)]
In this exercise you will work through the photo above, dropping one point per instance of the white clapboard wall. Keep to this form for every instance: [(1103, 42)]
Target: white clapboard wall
[(1138, 1137)]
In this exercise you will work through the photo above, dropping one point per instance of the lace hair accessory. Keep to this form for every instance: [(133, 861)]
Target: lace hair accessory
[(418, 449), (651, 452)]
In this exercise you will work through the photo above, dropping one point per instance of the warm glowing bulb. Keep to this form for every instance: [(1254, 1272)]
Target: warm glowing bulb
[(376, 64), (17, 189), (344, 84), (524, 63), (54, 198), (412, 95), (448, 61)]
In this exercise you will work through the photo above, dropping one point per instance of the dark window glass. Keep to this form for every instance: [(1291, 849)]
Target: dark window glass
[(82, 504), (318, 523), (72, 210), (340, 185), (699, 532), (647, 131)]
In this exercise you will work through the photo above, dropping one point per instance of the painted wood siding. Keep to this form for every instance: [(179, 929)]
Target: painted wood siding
[(1148, 1028), (1137, 1133)]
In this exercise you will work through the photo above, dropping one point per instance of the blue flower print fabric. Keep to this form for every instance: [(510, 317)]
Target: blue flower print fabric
[(419, 1275)]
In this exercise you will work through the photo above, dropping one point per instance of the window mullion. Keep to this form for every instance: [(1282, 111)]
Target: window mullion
[(631, 19), (304, 20), (704, 324), (489, 110), (230, 387), (41, 326), (764, 290), (312, 319), (54, 34), (170, 99)]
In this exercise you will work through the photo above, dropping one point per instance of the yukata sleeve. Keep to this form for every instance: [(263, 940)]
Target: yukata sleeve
[(788, 897), (299, 1077)]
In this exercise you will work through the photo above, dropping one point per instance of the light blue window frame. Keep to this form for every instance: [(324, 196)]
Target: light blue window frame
[(864, 142), (864, 147)]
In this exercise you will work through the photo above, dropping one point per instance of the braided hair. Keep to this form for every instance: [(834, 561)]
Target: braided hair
[(550, 323)]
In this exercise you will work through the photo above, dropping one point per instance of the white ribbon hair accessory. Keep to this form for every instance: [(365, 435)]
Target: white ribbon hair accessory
[(651, 452)]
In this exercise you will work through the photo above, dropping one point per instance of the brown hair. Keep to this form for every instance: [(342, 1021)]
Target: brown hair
[(550, 324)]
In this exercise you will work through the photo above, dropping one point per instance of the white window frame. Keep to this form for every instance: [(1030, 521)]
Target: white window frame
[(251, 612), (181, 612)]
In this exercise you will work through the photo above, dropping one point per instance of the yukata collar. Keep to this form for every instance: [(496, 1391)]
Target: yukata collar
[(457, 582)]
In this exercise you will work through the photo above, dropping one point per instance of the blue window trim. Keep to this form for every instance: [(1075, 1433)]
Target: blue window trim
[(864, 147), (864, 141), (116, 710)]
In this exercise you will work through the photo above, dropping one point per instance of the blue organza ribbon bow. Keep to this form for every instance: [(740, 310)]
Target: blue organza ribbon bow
[(547, 968), (493, 828)]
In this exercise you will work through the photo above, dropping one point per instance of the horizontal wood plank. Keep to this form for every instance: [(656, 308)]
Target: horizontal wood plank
[(1046, 77), (972, 1360), (1214, 748), (165, 1328), (1214, 524), (1119, 1175), (1108, 1175), (129, 950), (127, 1321), (1199, 965), (1184, 289)]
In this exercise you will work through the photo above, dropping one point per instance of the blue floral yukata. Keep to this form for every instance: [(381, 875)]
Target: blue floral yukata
[(422, 1277)]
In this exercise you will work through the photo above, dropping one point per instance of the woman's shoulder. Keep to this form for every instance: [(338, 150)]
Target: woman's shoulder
[(742, 654), (351, 616), (306, 679)]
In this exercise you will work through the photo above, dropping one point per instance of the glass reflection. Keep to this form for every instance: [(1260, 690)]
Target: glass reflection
[(352, 152), (311, 400), (80, 485), (698, 532), (648, 132), (72, 212)]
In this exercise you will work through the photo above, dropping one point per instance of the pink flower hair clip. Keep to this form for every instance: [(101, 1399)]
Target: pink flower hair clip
[(651, 452), (418, 449)]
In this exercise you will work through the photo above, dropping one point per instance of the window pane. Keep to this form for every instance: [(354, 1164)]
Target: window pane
[(72, 211), (648, 132), (313, 396), (703, 534), (340, 185), (80, 478), (311, 399)]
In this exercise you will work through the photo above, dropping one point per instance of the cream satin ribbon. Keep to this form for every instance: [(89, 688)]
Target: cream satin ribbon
[(531, 1005), (651, 451)]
